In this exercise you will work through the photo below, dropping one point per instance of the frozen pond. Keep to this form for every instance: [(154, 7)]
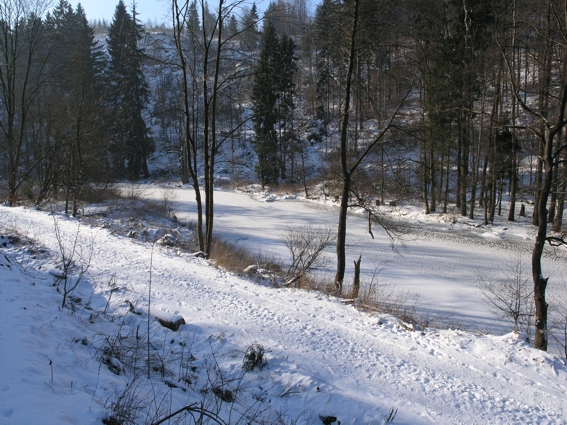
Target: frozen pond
[(437, 261)]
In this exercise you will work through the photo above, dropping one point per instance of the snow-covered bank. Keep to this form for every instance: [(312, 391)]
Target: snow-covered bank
[(324, 358)]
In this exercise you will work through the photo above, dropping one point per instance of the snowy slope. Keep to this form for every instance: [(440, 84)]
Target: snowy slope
[(323, 358)]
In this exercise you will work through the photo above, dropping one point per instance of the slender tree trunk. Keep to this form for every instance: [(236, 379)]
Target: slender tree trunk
[(540, 283), (558, 224), (211, 151), (341, 234), (424, 177), (476, 163), (432, 180), (516, 59), (464, 169), (345, 171), (500, 194), (190, 142), (447, 175)]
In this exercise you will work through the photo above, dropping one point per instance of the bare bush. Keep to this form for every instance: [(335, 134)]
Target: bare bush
[(99, 192), (254, 357), (306, 245), (168, 198), (235, 258), (74, 262), (558, 321), (510, 295), (127, 404), (134, 192), (382, 297), (164, 206)]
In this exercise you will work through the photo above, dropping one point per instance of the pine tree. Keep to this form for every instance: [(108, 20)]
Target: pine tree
[(264, 98), (250, 29), (72, 107), (129, 94), (209, 22), (286, 89), (272, 98), (193, 23), (232, 26)]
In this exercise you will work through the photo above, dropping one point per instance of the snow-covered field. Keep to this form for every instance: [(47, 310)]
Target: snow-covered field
[(324, 359)]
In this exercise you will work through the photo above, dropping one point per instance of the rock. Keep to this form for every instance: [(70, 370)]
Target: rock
[(166, 240), (168, 320), (250, 270), (328, 420)]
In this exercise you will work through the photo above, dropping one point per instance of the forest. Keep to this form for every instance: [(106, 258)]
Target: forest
[(451, 103)]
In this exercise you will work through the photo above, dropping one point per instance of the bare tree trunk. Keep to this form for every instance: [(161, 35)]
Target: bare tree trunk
[(516, 59), (558, 224), (345, 171), (211, 150), (540, 283), (179, 21), (432, 180)]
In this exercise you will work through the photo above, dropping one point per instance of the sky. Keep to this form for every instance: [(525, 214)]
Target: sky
[(148, 10)]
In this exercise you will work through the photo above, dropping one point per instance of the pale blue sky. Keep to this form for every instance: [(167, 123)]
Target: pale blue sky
[(147, 9)]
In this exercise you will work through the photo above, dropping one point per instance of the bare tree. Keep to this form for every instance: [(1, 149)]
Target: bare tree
[(509, 295), (204, 66), (547, 21), (306, 245), (75, 261), (24, 51), (349, 164)]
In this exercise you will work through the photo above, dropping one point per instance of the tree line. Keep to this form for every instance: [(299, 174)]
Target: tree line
[(71, 112), (460, 104)]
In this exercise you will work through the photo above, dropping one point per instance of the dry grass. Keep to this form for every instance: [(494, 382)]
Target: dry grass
[(321, 283), (235, 258), (98, 193), (383, 298)]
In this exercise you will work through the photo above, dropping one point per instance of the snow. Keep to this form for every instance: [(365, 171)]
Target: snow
[(323, 358)]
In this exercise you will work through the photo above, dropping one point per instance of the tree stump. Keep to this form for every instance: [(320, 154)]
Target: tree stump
[(356, 283)]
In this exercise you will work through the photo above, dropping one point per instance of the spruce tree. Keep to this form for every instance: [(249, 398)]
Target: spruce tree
[(72, 107), (264, 98), (129, 94), (272, 99), (250, 29), (232, 26)]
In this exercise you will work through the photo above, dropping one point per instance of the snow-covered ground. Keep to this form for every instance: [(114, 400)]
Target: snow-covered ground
[(438, 258), (324, 359)]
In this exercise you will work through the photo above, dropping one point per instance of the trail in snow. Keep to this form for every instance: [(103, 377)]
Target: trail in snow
[(336, 357)]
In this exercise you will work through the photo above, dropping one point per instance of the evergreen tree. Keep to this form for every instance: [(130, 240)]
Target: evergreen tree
[(72, 107), (232, 27), (193, 23), (129, 94), (286, 91), (250, 29), (272, 98), (209, 22), (264, 99)]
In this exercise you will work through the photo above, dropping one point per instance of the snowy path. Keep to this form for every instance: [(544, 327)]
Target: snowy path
[(372, 363)]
